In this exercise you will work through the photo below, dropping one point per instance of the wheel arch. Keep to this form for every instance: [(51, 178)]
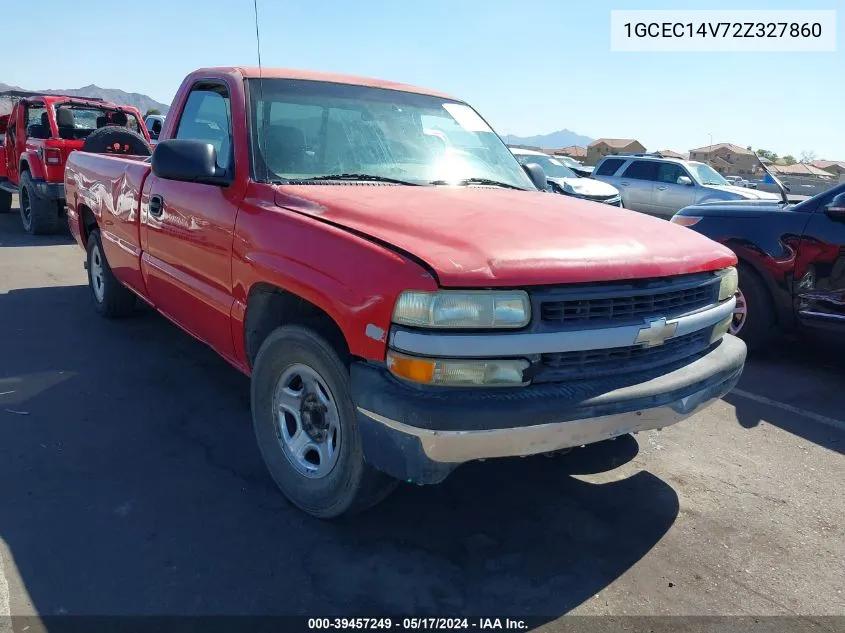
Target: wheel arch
[(269, 306)]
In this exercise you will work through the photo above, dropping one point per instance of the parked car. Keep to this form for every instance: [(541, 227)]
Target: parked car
[(563, 180), (663, 186), (154, 124), (40, 133), (791, 262), (582, 170), (739, 181), (402, 304)]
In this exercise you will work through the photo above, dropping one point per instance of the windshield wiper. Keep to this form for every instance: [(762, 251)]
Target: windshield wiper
[(477, 181), (363, 177)]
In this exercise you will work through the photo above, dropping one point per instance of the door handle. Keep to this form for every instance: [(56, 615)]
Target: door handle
[(156, 207), (624, 184), (662, 188)]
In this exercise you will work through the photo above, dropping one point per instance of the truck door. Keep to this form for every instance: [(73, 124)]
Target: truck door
[(820, 268), (186, 229)]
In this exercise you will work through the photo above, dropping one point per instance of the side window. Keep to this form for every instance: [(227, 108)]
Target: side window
[(207, 116), (670, 172), (37, 125), (609, 167), (642, 170)]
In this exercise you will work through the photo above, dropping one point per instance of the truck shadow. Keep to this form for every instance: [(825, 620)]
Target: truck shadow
[(12, 233), (802, 373), (133, 486)]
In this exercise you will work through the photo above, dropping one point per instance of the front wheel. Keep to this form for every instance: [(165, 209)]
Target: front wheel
[(305, 426), (753, 318)]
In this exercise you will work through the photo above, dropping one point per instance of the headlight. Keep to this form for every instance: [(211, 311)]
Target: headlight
[(455, 309), (721, 328), (729, 284), (457, 373)]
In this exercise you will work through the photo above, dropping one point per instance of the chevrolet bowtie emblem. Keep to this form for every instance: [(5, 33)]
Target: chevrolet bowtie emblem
[(656, 333)]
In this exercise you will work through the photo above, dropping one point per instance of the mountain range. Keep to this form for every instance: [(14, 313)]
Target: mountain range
[(120, 97), (553, 140)]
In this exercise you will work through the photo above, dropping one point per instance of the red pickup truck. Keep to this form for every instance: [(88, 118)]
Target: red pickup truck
[(403, 297), (37, 137)]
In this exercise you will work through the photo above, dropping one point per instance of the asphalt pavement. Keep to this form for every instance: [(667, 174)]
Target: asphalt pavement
[(130, 484)]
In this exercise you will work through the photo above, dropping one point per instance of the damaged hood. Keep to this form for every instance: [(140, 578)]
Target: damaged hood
[(477, 236)]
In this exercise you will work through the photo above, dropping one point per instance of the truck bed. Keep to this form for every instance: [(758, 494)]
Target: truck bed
[(109, 188)]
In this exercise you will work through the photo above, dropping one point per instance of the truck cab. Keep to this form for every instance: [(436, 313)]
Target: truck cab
[(38, 136)]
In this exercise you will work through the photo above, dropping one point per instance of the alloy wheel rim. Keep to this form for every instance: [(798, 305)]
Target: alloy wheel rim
[(26, 209), (740, 314), (307, 421), (98, 286)]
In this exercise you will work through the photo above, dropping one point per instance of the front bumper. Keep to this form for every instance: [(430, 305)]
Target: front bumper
[(422, 434)]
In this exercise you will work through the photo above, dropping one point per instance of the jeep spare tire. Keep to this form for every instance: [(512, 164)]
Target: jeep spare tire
[(116, 140)]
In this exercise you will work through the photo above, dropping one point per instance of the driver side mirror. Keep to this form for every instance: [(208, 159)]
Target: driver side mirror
[(188, 161), (685, 180), (537, 176), (836, 207)]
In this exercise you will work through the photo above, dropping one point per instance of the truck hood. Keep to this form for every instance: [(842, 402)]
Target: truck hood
[(745, 193), (586, 187), (475, 236)]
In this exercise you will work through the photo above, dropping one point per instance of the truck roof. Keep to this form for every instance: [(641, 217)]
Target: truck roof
[(253, 72)]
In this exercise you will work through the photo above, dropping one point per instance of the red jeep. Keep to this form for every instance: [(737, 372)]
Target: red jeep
[(37, 138)]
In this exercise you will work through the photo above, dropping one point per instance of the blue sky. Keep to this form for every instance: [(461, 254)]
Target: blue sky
[(528, 67)]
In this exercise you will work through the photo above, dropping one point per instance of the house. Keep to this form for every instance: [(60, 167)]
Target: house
[(728, 159), (573, 151), (668, 153), (604, 146), (836, 167), (801, 169)]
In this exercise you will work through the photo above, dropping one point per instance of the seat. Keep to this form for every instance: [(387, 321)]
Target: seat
[(66, 123), (119, 118), (102, 121), (39, 130), (284, 149)]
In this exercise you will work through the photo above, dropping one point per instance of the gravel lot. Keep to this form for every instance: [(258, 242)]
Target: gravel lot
[(130, 484)]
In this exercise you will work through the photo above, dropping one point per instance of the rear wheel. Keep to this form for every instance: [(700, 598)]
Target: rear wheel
[(111, 298), (39, 216), (5, 201), (304, 421), (753, 318)]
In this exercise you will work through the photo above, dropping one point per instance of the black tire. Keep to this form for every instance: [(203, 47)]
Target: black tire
[(5, 201), (116, 140), (111, 298), (759, 326), (351, 485), (39, 216)]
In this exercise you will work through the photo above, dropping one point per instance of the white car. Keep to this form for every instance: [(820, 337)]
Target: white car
[(563, 180), (739, 181)]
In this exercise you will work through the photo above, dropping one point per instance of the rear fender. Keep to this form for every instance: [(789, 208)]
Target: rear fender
[(31, 162)]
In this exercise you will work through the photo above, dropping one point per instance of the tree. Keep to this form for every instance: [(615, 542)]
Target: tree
[(152, 111), (772, 156), (808, 156), (789, 159)]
